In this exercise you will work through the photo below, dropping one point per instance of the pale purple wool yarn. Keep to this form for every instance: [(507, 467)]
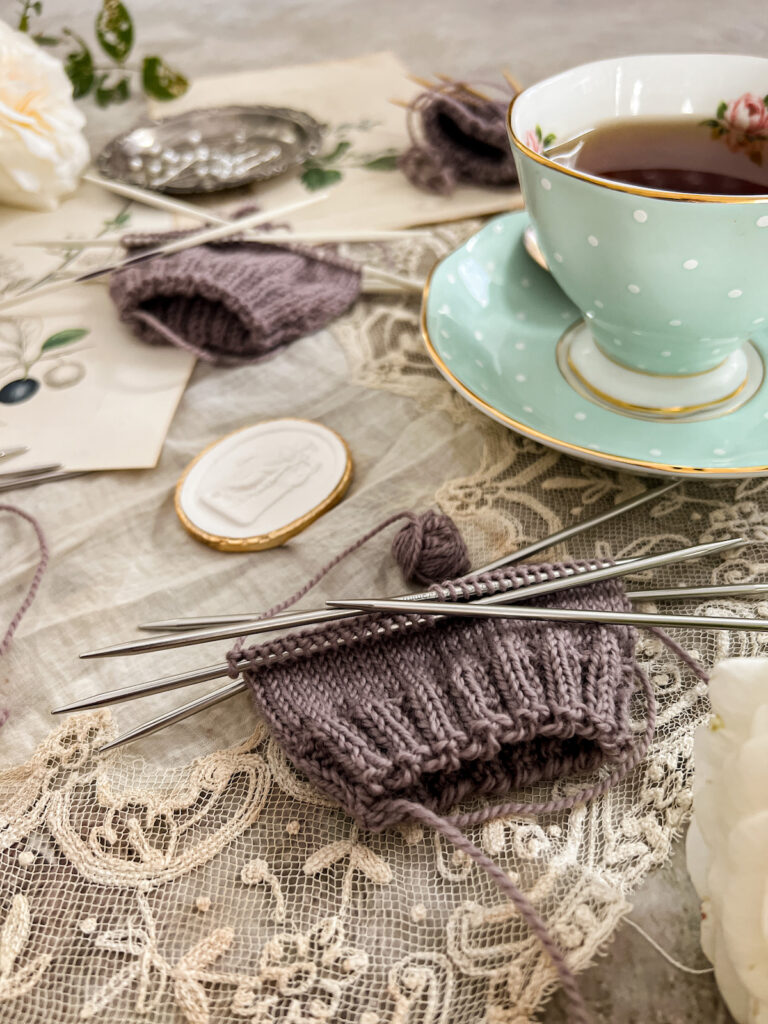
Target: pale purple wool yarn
[(460, 140), (233, 303), (403, 726), (429, 547), (399, 718)]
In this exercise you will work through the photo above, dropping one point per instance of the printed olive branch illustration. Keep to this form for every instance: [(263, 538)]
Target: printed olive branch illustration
[(62, 375), (320, 171)]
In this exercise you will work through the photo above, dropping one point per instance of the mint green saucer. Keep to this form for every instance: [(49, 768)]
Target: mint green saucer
[(492, 321)]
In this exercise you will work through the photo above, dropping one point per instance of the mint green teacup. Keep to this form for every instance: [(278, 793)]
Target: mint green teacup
[(671, 285)]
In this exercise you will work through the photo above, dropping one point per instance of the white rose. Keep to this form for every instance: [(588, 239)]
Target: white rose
[(42, 148), (727, 842)]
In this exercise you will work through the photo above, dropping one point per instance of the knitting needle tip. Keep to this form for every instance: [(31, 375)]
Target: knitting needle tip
[(10, 453), (178, 715), (136, 690)]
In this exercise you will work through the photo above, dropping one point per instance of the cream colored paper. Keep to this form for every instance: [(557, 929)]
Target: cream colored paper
[(353, 98), (105, 400)]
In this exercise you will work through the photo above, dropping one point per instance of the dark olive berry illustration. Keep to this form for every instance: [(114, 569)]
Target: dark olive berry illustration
[(19, 390)]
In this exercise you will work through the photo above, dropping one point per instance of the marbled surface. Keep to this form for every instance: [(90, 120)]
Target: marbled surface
[(631, 983)]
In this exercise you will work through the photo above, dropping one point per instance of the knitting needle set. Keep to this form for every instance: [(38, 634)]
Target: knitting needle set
[(219, 229), (481, 596)]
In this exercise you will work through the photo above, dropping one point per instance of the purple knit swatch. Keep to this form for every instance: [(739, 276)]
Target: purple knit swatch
[(464, 141), (453, 709), (233, 303), (400, 717)]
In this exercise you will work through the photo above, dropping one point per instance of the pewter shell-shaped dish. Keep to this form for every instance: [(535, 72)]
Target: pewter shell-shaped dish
[(210, 150)]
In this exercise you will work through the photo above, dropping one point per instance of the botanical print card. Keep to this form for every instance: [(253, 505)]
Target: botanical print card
[(76, 386), (365, 133)]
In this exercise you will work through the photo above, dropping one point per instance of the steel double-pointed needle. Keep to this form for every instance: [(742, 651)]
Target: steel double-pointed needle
[(10, 453), (565, 581), (570, 531), (552, 586), (177, 245), (194, 706), (201, 622), (676, 593), (618, 618), (206, 622), (16, 482), (163, 685), (419, 609), (285, 620)]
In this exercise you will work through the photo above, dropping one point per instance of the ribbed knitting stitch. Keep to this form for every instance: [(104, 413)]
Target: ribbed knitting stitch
[(401, 717), (233, 303), (464, 141), (443, 711)]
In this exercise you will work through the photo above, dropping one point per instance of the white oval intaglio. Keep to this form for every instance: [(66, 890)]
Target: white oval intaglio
[(262, 485), (42, 147)]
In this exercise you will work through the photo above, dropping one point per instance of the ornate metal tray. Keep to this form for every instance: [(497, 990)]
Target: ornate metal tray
[(210, 150)]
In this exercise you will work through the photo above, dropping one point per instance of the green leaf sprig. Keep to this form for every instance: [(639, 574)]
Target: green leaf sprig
[(111, 82)]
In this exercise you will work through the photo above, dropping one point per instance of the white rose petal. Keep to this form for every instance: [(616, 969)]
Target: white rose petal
[(727, 845), (42, 147)]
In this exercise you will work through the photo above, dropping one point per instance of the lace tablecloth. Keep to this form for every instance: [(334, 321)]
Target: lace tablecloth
[(196, 877)]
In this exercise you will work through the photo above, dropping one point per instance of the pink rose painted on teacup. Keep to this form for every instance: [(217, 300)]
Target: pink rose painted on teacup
[(537, 141), (748, 114), (743, 125)]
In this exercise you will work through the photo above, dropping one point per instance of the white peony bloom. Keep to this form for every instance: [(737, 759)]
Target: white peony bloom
[(42, 147), (727, 843)]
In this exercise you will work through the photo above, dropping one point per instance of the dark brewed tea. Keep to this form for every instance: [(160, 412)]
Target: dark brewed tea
[(674, 154)]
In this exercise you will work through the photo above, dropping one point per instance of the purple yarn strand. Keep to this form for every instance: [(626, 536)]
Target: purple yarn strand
[(431, 548), (680, 652), (34, 586), (525, 908)]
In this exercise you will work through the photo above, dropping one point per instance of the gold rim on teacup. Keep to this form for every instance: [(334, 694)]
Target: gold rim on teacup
[(617, 186)]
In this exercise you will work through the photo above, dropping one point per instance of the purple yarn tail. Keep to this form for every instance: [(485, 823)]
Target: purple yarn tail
[(172, 337), (34, 585), (524, 906), (681, 653), (450, 827), (234, 654)]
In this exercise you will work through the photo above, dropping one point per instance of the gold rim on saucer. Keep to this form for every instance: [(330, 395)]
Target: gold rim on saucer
[(274, 538), (537, 435)]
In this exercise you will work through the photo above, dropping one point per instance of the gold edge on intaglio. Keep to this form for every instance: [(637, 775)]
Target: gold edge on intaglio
[(277, 537)]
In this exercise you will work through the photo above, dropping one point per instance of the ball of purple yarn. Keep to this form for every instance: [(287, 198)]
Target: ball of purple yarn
[(429, 549)]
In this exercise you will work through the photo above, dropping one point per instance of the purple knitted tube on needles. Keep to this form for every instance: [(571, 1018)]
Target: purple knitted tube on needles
[(234, 304), (406, 724), (457, 137)]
